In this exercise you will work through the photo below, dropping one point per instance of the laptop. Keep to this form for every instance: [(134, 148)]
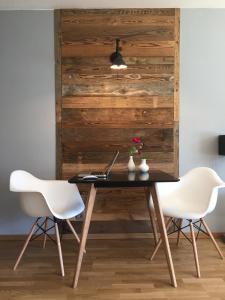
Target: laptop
[(104, 174)]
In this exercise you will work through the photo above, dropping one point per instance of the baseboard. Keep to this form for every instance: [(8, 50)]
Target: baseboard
[(91, 236), (102, 236)]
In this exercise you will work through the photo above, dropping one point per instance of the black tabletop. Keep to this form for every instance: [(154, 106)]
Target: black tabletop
[(125, 179)]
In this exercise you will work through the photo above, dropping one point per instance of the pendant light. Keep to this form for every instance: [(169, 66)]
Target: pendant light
[(116, 59)]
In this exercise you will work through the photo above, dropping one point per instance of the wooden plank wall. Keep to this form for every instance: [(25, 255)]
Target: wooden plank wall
[(99, 110)]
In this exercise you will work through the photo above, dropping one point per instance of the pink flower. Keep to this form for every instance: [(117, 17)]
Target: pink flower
[(137, 148), (136, 140)]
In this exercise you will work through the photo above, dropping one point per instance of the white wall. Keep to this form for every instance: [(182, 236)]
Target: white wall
[(27, 107), (202, 95), (27, 113)]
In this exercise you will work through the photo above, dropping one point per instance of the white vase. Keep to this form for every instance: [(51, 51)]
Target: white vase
[(131, 164), (143, 167)]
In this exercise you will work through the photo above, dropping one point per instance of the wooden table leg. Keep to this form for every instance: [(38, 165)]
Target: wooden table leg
[(163, 233), (152, 216), (86, 224)]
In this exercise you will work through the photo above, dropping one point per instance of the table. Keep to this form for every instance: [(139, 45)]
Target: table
[(120, 180)]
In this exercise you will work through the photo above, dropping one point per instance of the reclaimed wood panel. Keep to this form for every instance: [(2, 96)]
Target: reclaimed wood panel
[(102, 48), (117, 102), (74, 154), (152, 88), (104, 61), (99, 110), (131, 13), (119, 135), (119, 16), (74, 74), (69, 20), (118, 118), (107, 35)]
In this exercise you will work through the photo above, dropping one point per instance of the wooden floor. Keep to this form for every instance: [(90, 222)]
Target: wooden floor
[(112, 269)]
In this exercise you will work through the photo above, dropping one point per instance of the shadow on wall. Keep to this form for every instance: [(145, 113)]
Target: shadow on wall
[(202, 152), (209, 144)]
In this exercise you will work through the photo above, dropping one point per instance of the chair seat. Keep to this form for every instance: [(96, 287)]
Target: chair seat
[(177, 208), (71, 212)]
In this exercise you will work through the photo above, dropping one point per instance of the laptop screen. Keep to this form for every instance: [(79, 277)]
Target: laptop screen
[(111, 164)]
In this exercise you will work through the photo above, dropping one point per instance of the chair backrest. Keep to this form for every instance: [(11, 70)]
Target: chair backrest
[(31, 200), (202, 184), (199, 186), (62, 198), (22, 181)]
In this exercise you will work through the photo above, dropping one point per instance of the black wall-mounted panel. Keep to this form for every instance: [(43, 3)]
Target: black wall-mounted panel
[(221, 144)]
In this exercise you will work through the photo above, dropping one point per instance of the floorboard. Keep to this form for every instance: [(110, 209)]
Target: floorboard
[(112, 269)]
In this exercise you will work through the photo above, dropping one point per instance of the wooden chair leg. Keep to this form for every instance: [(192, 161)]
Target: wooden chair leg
[(73, 230), (212, 238), (45, 235), (160, 239), (59, 249), (178, 233), (25, 244), (195, 249)]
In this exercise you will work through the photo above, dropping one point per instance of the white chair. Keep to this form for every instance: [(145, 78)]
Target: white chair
[(46, 198), (191, 198)]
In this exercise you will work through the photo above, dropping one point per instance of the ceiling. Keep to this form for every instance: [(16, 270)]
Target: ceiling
[(54, 4)]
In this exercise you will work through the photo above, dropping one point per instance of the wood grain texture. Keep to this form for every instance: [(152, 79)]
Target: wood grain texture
[(103, 48), (80, 153), (117, 102), (156, 87), (152, 72), (119, 135), (116, 16), (112, 269), (71, 19), (101, 109), (117, 118), (99, 34), (103, 61), (122, 13)]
